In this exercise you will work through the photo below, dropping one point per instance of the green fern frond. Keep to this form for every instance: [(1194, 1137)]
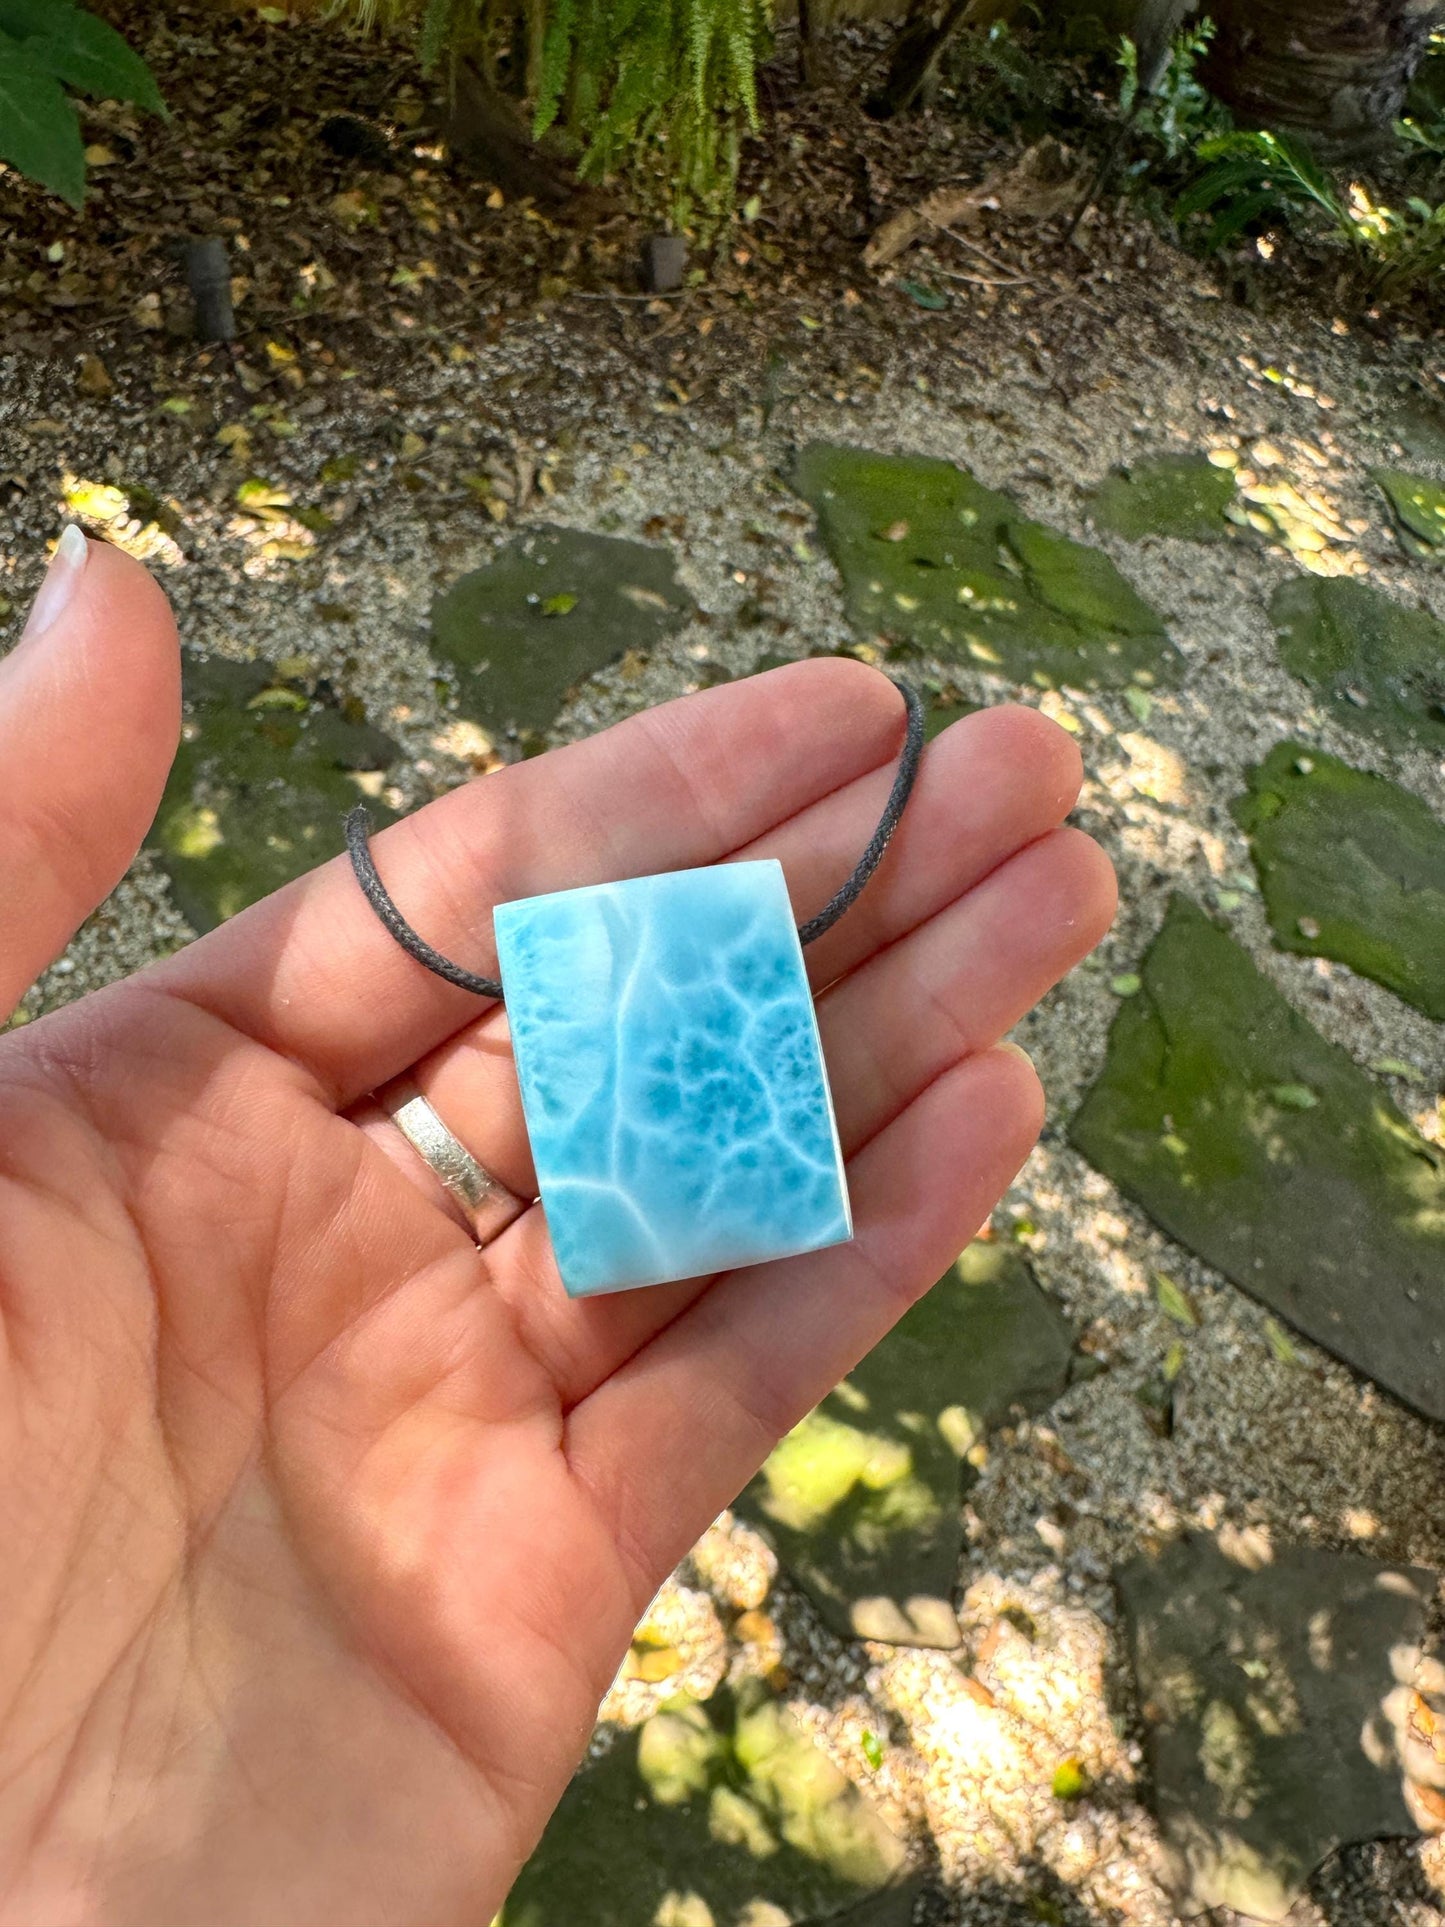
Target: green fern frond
[(556, 63), (438, 30)]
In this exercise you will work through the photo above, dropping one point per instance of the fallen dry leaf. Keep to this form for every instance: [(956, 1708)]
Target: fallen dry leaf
[(1042, 183), (94, 377), (945, 207)]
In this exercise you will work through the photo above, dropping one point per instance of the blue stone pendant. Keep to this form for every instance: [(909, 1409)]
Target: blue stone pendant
[(672, 1076)]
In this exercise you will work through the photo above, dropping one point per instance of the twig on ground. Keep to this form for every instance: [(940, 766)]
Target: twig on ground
[(986, 281), (990, 260), (673, 294)]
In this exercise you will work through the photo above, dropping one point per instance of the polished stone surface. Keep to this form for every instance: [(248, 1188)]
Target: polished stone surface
[(672, 1076)]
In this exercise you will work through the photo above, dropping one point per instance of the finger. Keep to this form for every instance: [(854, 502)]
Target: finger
[(962, 981), (989, 786), (949, 989), (669, 1440), (89, 716), (312, 972)]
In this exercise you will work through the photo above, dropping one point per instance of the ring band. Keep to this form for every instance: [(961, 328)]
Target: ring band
[(480, 1194)]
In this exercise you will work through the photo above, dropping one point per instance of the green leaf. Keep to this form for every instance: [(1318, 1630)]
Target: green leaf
[(1174, 1362), (21, 18), (255, 492), (1294, 1097), (1246, 209), (39, 131), (1234, 142), (1172, 1301), (923, 297), (1126, 985), (1071, 1782), (872, 1748), (438, 25), (1139, 701), (1279, 1342), (278, 697), (1128, 63), (1397, 1067), (82, 51), (1306, 169), (1215, 185), (561, 604)]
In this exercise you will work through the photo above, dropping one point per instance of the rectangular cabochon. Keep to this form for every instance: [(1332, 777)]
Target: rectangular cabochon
[(672, 1076)]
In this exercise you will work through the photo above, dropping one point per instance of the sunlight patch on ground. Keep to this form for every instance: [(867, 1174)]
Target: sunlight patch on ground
[(125, 518)]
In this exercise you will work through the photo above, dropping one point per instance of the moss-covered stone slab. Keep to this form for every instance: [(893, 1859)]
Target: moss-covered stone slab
[(1180, 495), (708, 1815), (1419, 427), (933, 560), (554, 607), (862, 1499), (1418, 506), (265, 774), (893, 1906), (1262, 1693), (1264, 1149), (1377, 665), (1351, 867)]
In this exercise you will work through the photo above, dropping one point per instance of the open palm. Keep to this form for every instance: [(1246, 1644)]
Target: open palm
[(323, 1531)]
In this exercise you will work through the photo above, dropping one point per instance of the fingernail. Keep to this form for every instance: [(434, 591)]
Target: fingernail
[(60, 582), (1018, 1051)]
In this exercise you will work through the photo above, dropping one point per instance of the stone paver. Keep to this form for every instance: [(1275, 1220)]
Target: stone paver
[(933, 559), (862, 1499), (1351, 867), (1267, 1699), (1267, 1151), (551, 609), (266, 770)]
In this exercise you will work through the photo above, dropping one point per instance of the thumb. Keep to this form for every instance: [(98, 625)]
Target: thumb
[(89, 716)]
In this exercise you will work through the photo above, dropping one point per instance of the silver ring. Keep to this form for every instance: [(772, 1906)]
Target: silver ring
[(488, 1204)]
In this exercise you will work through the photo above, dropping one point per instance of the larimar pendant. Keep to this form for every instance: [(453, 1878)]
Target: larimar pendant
[(672, 1076)]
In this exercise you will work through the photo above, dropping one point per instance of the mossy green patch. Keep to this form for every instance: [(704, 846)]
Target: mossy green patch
[(1180, 495), (1418, 506), (1377, 665), (554, 607), (705, 1816), (264, 776), (1332, 1211), (1419, 427), (862, 1498), (1263, 1693), (1351, 867), (932, 559)]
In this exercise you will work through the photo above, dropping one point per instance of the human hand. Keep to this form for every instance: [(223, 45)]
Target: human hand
[(324, 1531)]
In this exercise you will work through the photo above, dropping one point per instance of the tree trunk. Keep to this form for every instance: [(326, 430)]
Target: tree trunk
[(486, 133), (815, 18), (913, 70), (1334, 70)]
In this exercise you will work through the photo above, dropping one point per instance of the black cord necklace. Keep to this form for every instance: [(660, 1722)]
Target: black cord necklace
[(358, 831)]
